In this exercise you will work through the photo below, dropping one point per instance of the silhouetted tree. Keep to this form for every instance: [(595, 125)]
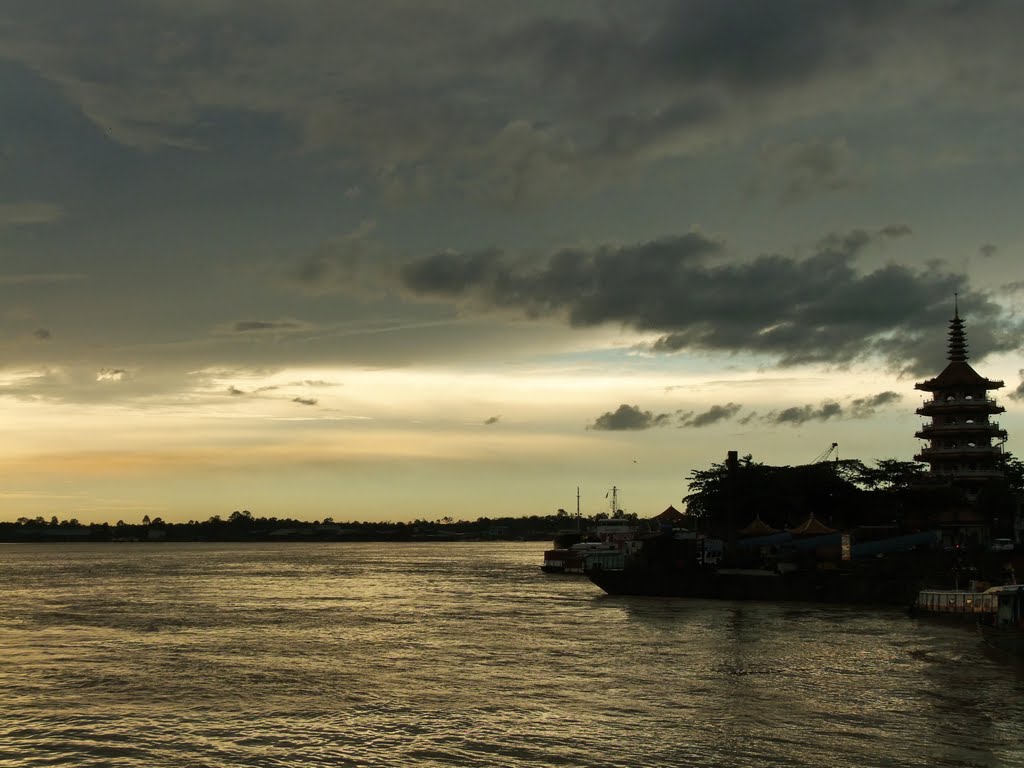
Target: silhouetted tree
[(780, 496), (1013, 470), (889, 474)]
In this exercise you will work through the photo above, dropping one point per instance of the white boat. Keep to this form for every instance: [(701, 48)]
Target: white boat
[(606, 544), (966, 604)]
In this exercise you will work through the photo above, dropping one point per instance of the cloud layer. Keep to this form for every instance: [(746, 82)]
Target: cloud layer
[(686, 290), (628, 417), (633, 417), (455, 102)]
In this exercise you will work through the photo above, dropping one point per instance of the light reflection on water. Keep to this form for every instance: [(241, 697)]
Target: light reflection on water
[(458, 655)]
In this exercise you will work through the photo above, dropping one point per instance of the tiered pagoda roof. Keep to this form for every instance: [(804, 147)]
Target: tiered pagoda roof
[(958, 374)]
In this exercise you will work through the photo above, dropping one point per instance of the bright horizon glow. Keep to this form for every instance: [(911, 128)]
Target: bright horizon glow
[(362, 426)]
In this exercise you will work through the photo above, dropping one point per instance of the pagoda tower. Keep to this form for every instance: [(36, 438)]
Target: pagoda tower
[(965, 447)]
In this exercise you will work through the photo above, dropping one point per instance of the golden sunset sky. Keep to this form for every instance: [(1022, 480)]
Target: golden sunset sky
[(401, 260)]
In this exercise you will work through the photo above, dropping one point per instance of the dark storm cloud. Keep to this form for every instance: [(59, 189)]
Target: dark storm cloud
[(798, 415), (1018, 393), (442, 93), (492, 420), (747, 43), (735, 44), (43, 334), (305, 400), (576, 280), (244, 326), (456, 274), (864, 407), (697, 71), (507, 101), (860, 408), (818, 309), (629, 417), (712, 415)]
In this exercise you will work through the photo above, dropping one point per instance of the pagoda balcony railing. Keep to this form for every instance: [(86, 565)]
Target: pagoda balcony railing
[(936, 451), (988, 427), (961, 401), (932, 408), (968, 473)]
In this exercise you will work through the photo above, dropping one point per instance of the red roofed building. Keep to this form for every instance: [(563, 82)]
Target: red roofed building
[(670, 515)]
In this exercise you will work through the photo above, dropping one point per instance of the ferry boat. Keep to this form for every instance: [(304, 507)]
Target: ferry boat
[(577, 558), (954, 604), (606, 543)]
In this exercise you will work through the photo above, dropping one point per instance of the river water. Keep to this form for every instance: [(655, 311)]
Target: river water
[(462, 654)]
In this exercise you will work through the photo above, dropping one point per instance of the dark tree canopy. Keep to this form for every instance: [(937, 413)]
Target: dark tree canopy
[(838, 493)]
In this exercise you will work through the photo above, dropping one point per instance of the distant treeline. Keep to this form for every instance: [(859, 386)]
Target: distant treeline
[(244, 526), (846, 495)]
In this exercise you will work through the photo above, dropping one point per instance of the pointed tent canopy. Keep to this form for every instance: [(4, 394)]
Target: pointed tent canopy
[(811, 527), (670, 515), (758, 527)]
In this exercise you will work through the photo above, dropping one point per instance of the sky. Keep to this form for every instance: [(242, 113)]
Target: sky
[(412, 259)]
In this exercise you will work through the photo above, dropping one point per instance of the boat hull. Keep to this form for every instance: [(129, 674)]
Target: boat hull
[(741, 584)]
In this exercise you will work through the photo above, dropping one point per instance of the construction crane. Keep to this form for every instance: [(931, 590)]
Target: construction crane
[(826, 454)]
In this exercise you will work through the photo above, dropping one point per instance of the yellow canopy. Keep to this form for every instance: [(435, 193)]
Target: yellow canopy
[(758, 527), (812, 527)]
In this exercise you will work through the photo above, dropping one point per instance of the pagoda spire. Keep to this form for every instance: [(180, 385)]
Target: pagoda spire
[(957, 337)]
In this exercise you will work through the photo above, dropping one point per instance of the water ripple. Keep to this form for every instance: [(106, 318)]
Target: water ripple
[(461, 655)]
